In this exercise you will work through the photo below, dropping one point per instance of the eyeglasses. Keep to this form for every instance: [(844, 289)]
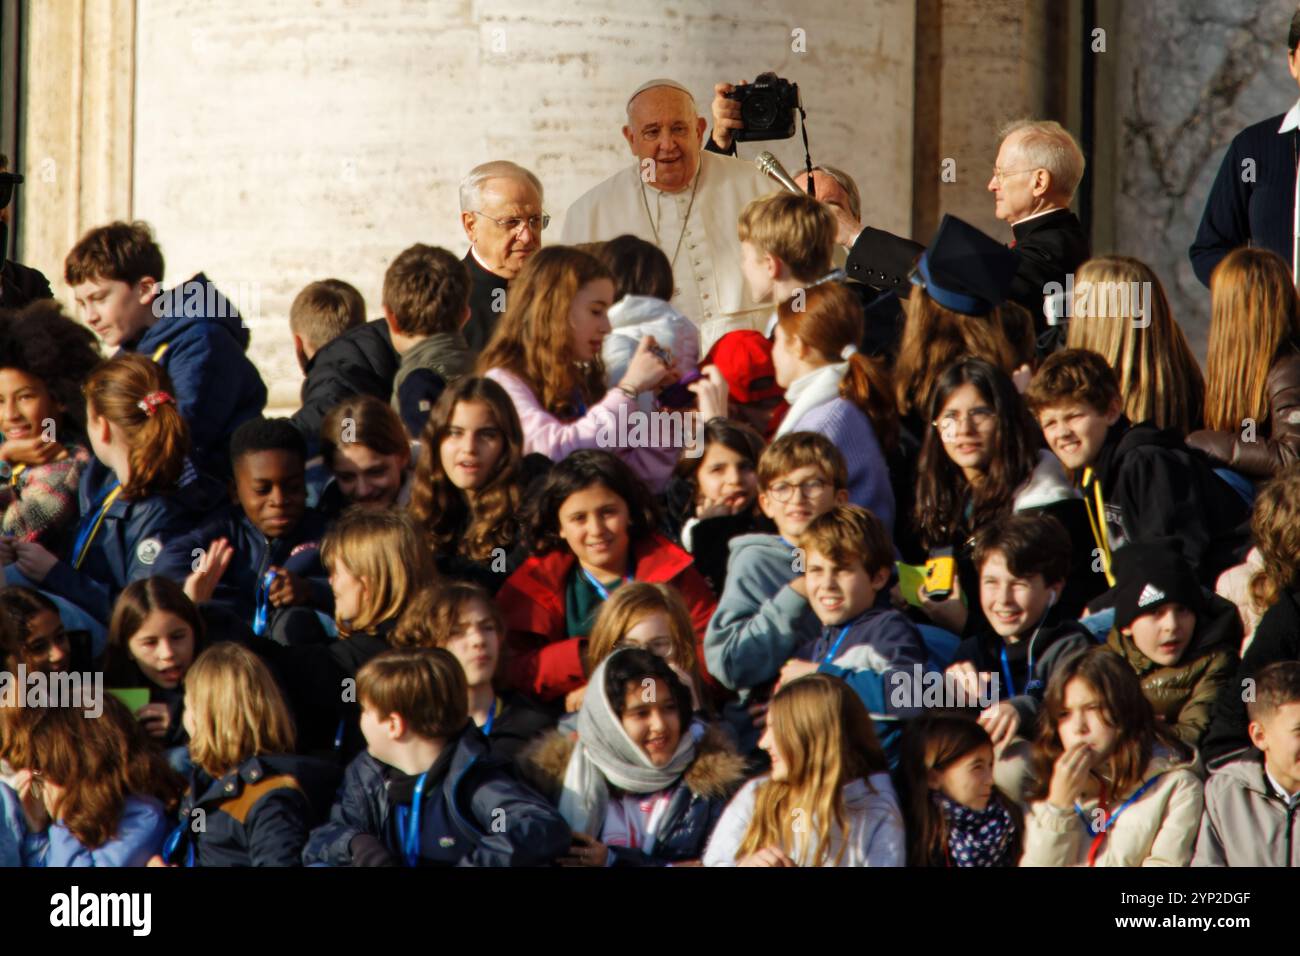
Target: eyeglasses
[(515, 223), (810, 489), (1001, 176), (949, 423)]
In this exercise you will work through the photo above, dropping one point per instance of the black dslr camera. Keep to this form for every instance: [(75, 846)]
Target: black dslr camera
[(767, 108)]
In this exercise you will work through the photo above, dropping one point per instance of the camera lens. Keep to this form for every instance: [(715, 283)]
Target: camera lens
[(759, 111)]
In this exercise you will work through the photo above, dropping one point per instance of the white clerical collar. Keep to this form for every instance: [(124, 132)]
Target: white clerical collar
[(479, 260), (1291, 120), (1036, 215)]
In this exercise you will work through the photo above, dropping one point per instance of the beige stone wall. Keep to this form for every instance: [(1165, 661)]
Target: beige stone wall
[(278, 144), (79, 98)]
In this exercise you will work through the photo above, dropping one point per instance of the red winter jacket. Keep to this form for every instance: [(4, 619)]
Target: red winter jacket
[(541, 658)]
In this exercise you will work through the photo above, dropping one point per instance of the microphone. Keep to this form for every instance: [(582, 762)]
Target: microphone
[(771, 166)]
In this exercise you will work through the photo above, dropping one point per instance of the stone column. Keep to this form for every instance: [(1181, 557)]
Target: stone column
[(1184, 85), (80, 110), (979, 65)]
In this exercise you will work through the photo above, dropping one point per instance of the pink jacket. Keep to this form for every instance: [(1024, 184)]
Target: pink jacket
[(605, 426)]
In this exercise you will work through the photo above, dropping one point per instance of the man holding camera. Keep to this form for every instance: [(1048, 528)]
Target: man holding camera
[(1038, 168), (685, 201)]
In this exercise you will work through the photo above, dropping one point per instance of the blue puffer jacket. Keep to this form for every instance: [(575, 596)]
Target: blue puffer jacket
[(217, 387), (475, 811), (880, 654), (297, 551), (257, 815), (132, 538), (140, 835), (693, 809)]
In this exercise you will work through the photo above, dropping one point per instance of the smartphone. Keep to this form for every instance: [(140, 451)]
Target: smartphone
[(940, 570), (678, 395)]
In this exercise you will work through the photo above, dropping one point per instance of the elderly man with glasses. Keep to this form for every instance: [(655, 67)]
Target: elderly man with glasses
[(501, 212), (1036, 173)]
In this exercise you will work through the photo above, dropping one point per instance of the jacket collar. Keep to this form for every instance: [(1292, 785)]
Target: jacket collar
[(654, 558), (1052, 219), (479, 273)]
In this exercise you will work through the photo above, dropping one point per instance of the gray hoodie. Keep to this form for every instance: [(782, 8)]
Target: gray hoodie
[(1246, 823), (760, 619)]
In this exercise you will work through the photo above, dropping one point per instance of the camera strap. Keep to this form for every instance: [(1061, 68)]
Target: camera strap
[(807, 155)]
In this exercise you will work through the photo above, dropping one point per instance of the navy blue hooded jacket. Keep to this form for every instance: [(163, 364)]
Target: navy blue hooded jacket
[(474, 812), (132, 538), (217, 387), (297, 551), (257, 815)]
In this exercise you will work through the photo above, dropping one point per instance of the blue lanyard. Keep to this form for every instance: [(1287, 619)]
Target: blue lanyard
[(338, 734), (492, 716), (830, 655), (263, 603), (1030, 683), (581, 405), (410, 837), (91, 522), (1109, 824), (173, 840), (600, 588)]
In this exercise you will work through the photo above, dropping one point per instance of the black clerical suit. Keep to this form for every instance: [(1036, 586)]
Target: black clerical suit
[(483, 295), (1050, 246)]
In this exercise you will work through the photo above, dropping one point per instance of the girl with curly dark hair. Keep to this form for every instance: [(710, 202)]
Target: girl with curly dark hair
[(44, 359)]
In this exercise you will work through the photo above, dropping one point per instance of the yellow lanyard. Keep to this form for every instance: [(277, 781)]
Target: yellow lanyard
[(99, 519), (160, 351), (13, 475), (1097, 519)]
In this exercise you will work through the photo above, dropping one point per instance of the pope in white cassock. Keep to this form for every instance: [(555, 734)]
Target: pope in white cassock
[(684, 200)]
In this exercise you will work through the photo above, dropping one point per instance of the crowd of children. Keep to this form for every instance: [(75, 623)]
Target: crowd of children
[(841, 594)]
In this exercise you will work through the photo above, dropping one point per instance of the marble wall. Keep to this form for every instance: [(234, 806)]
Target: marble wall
[(278, 144), (1187, 78)]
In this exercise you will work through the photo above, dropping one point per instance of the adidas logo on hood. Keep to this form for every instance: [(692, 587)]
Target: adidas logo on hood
[(1150, 595)]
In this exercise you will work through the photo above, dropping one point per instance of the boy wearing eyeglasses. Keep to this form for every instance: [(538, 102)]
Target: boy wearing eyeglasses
[(426, 305), (763, 613)]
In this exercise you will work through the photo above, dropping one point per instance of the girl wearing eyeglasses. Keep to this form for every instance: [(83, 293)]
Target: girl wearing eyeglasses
[(982, 459)]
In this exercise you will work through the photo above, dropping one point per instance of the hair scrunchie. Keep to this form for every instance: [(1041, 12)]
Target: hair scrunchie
[(848, 352), (149, 404)]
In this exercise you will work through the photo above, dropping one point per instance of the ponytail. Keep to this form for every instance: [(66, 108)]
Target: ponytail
[(136, 396), (868, 385), (830, 323)]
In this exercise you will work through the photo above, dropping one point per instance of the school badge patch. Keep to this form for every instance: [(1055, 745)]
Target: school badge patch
[(147, 551)]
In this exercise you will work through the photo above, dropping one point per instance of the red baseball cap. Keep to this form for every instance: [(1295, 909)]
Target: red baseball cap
[(744, 358)]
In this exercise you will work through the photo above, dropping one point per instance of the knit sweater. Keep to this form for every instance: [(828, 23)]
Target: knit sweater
[(40, 503), (850, 430), (1251, 210)]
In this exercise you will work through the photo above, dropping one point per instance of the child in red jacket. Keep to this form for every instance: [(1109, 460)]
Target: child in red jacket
[(591, 529)]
